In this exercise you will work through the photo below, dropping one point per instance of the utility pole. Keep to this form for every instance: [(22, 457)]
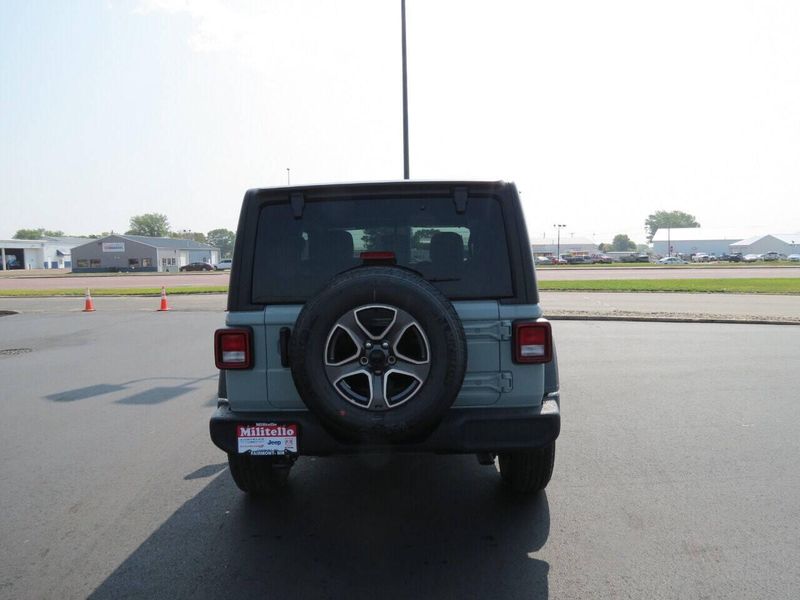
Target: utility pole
[(405, 92), (288, 177)]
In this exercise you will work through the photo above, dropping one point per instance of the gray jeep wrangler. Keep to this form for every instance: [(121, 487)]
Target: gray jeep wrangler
[(385, 317)]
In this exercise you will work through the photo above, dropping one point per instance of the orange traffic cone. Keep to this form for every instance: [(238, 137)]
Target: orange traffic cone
[(88, 303), (164, 305)]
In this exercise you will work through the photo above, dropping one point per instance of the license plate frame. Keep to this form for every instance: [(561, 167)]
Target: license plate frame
[(267, 439)]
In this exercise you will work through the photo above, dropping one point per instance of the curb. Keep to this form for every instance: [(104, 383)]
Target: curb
[(686, 319)]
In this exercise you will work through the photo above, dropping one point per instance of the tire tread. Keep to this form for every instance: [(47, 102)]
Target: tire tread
[(528, 471), (257, 475)]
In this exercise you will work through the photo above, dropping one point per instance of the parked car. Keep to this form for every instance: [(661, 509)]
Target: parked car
[(769, 256), (751, 257), (735, 257), (602, 258), (580, 260), (557, 260), (197, 266), (671, 260), (329, 352), (793, 257), (700, 257), (224, 265)]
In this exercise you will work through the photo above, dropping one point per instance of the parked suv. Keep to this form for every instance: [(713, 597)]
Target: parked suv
[(385, 318), (223, 265)]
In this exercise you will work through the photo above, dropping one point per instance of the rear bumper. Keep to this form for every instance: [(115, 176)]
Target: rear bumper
[(462, 431)]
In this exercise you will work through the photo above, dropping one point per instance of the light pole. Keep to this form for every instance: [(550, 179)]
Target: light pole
[(669, 240), (405, 92), (558, 227), (288, 177)]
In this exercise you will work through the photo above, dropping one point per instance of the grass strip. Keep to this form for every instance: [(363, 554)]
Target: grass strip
[(690, 265), (171, 291), (755, 285), (752, 285)]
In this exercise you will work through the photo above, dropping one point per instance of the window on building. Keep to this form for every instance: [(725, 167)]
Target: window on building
[(147, 262), (83, 263), (94, 263), (133, 262)]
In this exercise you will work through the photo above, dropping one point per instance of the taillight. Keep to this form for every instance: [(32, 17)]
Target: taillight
[(233, 348), (379, 257), (533, 342)]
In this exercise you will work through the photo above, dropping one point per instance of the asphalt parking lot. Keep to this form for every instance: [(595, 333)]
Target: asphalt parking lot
[(676, 477)]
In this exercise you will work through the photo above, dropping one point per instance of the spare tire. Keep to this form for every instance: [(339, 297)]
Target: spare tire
[(379, 354)]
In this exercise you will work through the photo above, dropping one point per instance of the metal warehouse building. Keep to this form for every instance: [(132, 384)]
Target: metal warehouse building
[(47, 253), (785, 243), (140, 253), (691, 240)]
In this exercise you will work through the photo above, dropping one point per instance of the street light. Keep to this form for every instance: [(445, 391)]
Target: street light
[(405, 89), (669, 238), (558, 227)]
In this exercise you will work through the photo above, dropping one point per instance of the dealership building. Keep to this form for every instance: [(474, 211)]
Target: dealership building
[(46, 253), (545, 246), (118, 252)]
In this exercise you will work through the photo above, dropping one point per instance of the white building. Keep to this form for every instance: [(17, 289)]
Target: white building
[(691, 240), (785, 243), (568, 245), (47, 253)]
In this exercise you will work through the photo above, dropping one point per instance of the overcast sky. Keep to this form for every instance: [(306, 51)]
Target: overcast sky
[(601, 112)]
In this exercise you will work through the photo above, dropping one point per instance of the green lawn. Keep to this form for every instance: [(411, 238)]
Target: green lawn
[(730, 286), (716, 286), (708, 265)]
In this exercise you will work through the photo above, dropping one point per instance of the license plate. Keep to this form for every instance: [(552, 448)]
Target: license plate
[(267, 438)]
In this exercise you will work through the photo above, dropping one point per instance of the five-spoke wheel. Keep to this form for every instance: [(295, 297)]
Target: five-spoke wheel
[(377, 356)]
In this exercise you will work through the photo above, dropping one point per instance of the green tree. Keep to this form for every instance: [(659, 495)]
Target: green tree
[(661, 219), (622, 243), (189, 235), (36, 234), (152, 224), (224, 239), (422, 234)]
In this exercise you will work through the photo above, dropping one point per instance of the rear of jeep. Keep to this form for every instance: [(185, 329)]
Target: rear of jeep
[(385, 318)]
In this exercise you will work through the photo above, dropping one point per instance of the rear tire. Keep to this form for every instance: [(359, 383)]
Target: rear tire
[(258, 475), (528, 471)]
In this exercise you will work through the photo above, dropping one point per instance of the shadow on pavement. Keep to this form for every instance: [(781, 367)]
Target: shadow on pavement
[(348, 527), (86, 392), (153, 395), (156, 395), (206, 471)]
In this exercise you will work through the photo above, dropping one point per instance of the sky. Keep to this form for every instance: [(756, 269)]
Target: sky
[(601, 112)]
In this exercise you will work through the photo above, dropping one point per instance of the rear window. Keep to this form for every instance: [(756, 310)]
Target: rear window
[(464, 255)]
